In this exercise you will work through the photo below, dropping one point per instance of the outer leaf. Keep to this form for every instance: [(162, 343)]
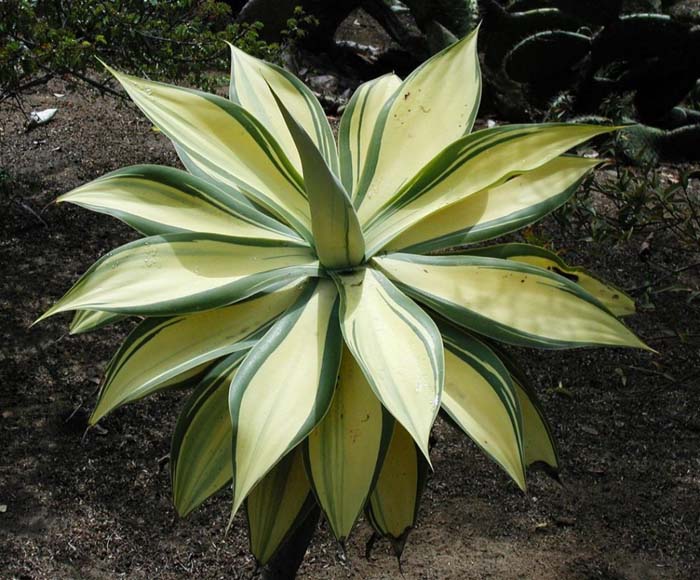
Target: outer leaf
[(498, 210), (89, 320), (184, 273), (392, 508), (433, 107), (197, 171), (345, 452), (160, 200), (161, 349), (539, 444), (285, 386), (277, 505), (191, 378), (227, 143), (398, 347), (200, 453), (337, 234), (357, 125), (252, 84), (511, 302), (481, 399), (478, 161), (619, 303)]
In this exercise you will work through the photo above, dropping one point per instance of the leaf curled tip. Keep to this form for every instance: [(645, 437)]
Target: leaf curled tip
[(341, 551), (104, 64), (229, 524), (648, 348), (93, 419), (548, 470), (398, 545), (369, 546)]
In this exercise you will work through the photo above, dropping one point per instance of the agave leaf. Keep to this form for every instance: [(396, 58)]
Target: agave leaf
[(392, 508), (160, 349), (614, 299), (357, 125), (285, 386), (345, 452), (233, 192), (89, 320), (498, 210), (185, 273), (483, 159), (227, 143), (398, 347), (277, 505), (481, 399), (200, 453), (539, 446), (337, 234), (193, 376), (253, 83), (160, 200), (433, 107), (508, 301)]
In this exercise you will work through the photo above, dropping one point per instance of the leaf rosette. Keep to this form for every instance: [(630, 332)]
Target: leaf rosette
[(292, 281)]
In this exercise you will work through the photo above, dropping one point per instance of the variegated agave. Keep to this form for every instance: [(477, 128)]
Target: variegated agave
[(292, 283)]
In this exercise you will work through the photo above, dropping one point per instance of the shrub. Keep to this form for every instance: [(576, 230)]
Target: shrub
[(180, 39)]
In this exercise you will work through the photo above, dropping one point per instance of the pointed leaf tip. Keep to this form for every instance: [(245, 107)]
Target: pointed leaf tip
[(336, 228), (397, 346)]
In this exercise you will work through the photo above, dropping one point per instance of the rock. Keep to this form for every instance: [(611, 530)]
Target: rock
[(324, 84)]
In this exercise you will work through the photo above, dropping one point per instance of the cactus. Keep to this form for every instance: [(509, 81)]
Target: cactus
[(560, 49), (637, 37), (586, 10), (593, 49), (592, 12), (639, 6), (438, 36), (505, 29), (458, 16), (646, 145)]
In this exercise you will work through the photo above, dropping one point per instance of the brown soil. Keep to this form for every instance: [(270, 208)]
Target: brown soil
[(97, 505)]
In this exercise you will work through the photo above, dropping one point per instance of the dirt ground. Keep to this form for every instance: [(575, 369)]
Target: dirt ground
[(97, 505)]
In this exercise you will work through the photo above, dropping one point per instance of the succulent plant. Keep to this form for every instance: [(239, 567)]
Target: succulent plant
[(292, 283)]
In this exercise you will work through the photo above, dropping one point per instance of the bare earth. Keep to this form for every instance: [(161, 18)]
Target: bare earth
[(99, 507)]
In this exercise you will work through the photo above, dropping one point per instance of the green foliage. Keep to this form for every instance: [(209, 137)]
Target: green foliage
[(646, 202), (298, 26), (180, 39)]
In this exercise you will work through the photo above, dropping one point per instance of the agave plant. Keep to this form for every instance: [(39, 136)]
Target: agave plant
[(293, 283)]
